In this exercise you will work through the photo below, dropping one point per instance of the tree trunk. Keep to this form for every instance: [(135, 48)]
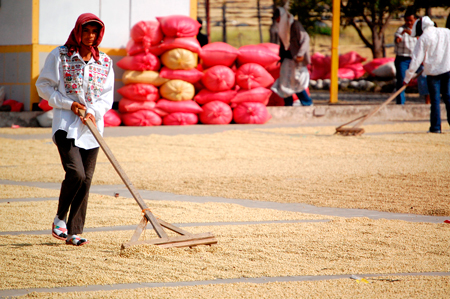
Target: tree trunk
[(378, 45)]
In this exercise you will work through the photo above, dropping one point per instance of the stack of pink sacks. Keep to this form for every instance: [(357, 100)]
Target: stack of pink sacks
[(235, 84), (160, 73), (350, 66)]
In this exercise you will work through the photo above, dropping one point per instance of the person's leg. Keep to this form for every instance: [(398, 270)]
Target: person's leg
[(435, 97), (401, 65), (445, 91), (73, 166), (423, 87), (288, 101), (78, 208), (304, 98)]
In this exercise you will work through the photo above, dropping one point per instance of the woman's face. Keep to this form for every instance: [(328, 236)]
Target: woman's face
[(89, 34)]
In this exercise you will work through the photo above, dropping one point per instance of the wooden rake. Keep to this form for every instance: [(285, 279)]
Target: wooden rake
[(185, 239), (356, 130)]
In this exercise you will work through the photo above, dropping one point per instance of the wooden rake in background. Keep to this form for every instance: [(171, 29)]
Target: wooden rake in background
[(356, 130), (185, 239)]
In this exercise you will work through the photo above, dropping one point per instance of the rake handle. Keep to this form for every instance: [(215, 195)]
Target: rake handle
[(150, 217)]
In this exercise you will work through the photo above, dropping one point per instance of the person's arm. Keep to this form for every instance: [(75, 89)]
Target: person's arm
[(398, 35), (48, 82), (106, 99), (416, 60), (303, 38)]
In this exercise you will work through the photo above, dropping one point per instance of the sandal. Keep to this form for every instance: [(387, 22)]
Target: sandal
[(77, 241), (58, 232)]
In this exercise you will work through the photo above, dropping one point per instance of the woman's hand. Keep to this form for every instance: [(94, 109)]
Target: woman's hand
[(77, 106), (299, 58), (91, 117)]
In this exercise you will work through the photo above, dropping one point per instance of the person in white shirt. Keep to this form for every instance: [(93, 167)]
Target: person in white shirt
[(77, 76), (432, 50)]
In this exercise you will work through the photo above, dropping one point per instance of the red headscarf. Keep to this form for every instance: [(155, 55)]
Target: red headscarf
[(74, 44)]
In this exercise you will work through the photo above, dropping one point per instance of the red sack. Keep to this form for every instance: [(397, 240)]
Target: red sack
[(191, 76), (140, 62), (350, 58), (216, 113), (218, 53), (274, 70), (206, 96), (275, 100), (259, 94), (112, 118), (256, 54), (134, 48), (218, 78), (275, 48), (180, 119), (376, 63), (141, 118), (15, 106), (179, 26), (147, 32), (139, 92), (321, 66), (251, 113), (188, 43), (252, 75), (43, 104), (352, 72), (180, 106), (127, 105)]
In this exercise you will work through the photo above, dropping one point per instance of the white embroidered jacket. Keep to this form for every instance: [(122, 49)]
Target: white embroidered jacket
[(65, 79)]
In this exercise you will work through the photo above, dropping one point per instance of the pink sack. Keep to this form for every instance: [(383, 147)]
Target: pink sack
[(321, 66), (251, 113), (43, 104), (139, 92), (218, 78), (181, 106), (134, 48), (218, 53), (188, 43), (376, 63), (127, 105), (259, 94), (274, 70), (180, 119), (350, 58), (275, 48), (141, 118), (256, 54), (216, 113), (112, 118), (179, 26), (191, 76), (275, 100), (15, 106), (252, 75), (140, 62), (147, 32), (206, 96)]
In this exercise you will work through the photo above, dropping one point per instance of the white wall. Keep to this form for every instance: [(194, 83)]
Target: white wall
[(57, 17), (144, 10), (15, 22)]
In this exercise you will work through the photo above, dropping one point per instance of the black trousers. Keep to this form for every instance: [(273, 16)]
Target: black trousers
[(79, 165)]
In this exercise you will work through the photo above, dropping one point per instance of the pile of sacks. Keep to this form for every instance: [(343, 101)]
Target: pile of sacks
[(170, 80)]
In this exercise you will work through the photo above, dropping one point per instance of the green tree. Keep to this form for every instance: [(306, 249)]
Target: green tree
[(376, 14)]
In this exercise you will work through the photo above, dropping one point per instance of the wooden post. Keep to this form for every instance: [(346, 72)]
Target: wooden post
[(259, 21), (334, 51), (224, 22), (208, 23)]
